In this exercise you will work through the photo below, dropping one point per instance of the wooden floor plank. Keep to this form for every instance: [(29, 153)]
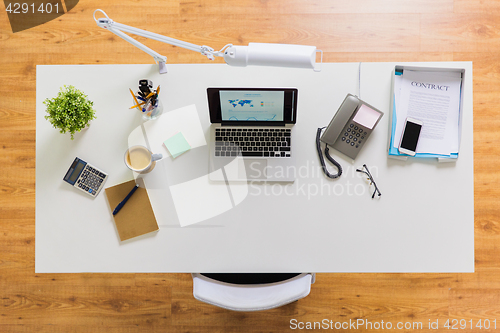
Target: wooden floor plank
[(85, 306), (471, 32), (467, 6), (258, 7)]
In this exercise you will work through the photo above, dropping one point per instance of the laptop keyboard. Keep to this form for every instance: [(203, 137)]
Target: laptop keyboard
[(253, 142)]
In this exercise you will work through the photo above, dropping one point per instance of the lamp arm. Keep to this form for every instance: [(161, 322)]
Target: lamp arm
[(158, 57), (119, 29)]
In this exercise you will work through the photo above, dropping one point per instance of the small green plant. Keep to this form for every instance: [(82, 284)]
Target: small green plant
[(70, 111)]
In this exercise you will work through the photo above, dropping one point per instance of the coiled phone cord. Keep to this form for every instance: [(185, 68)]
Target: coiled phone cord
[(327, 154)]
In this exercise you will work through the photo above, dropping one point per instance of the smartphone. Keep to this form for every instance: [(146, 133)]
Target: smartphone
[(409, 139)]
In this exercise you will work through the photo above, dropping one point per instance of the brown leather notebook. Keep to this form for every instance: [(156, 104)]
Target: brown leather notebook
[(136, 217)]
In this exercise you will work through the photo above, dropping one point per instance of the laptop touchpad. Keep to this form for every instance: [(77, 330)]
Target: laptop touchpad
[(255, 169)]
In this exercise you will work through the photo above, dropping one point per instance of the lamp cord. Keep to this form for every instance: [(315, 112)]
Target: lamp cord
[(327, 154), (359, 80)]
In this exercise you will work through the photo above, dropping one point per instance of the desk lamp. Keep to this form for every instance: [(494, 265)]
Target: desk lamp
[(261, 54)]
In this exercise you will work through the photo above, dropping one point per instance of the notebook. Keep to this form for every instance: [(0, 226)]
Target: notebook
[(136, 217), (251, 135)]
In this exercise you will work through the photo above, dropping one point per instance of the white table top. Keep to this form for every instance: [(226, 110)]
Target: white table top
[(424, 221)]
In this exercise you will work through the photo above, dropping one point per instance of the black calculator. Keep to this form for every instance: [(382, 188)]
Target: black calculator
[(85, 177)]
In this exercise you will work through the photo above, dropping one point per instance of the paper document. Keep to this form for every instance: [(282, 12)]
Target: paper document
[(433, 98)]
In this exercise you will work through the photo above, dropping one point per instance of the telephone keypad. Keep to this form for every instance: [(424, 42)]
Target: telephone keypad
[(352, 139)]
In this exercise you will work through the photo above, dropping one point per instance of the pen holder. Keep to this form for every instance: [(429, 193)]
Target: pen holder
[(150, 112)]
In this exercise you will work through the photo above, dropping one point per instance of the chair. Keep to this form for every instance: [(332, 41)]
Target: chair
[(251, 292)]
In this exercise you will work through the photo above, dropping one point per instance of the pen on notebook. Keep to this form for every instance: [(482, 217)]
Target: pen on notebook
[(124, 201)]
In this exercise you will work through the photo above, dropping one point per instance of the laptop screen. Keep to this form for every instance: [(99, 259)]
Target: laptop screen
[(245, 105), (252, 106)]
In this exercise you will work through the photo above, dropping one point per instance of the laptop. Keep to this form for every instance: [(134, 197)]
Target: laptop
[(251, 134)]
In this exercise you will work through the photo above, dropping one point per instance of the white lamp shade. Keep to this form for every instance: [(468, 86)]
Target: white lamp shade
[(264, 54)]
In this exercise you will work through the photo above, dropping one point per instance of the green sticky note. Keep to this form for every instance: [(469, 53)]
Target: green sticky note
[(177, 145)]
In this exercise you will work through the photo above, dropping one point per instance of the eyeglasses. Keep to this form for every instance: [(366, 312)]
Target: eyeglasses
[(370, 178)]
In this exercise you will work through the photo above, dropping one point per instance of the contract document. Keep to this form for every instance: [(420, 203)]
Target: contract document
[(433, 98)]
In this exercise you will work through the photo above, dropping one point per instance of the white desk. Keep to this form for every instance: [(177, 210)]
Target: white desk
[(314, 224)]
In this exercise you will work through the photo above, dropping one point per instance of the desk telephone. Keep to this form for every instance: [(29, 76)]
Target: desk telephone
[(348, 130)]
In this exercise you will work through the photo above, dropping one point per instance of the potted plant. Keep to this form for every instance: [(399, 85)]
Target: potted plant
[(70, 111)]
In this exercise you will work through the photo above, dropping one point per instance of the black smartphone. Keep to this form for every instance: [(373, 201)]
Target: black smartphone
[(411, 134)]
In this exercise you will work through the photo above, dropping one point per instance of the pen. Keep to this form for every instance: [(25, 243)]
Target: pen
[(124, 201)]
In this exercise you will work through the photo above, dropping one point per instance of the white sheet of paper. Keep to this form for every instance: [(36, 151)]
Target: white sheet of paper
[(188, 196)]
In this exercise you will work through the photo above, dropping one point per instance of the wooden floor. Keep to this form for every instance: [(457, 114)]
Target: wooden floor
[(347, 31)]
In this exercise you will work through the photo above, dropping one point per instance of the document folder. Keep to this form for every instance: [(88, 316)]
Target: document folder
[(393, 151)]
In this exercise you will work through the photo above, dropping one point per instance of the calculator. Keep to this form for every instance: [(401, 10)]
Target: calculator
[(85, 177)]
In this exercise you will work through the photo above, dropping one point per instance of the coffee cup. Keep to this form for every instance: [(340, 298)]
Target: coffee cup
[(141, 159)]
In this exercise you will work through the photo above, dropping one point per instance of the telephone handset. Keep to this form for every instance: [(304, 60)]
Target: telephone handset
[(348, 130)]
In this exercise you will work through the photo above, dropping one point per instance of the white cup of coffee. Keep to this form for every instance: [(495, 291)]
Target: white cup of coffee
[(141, 159)]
